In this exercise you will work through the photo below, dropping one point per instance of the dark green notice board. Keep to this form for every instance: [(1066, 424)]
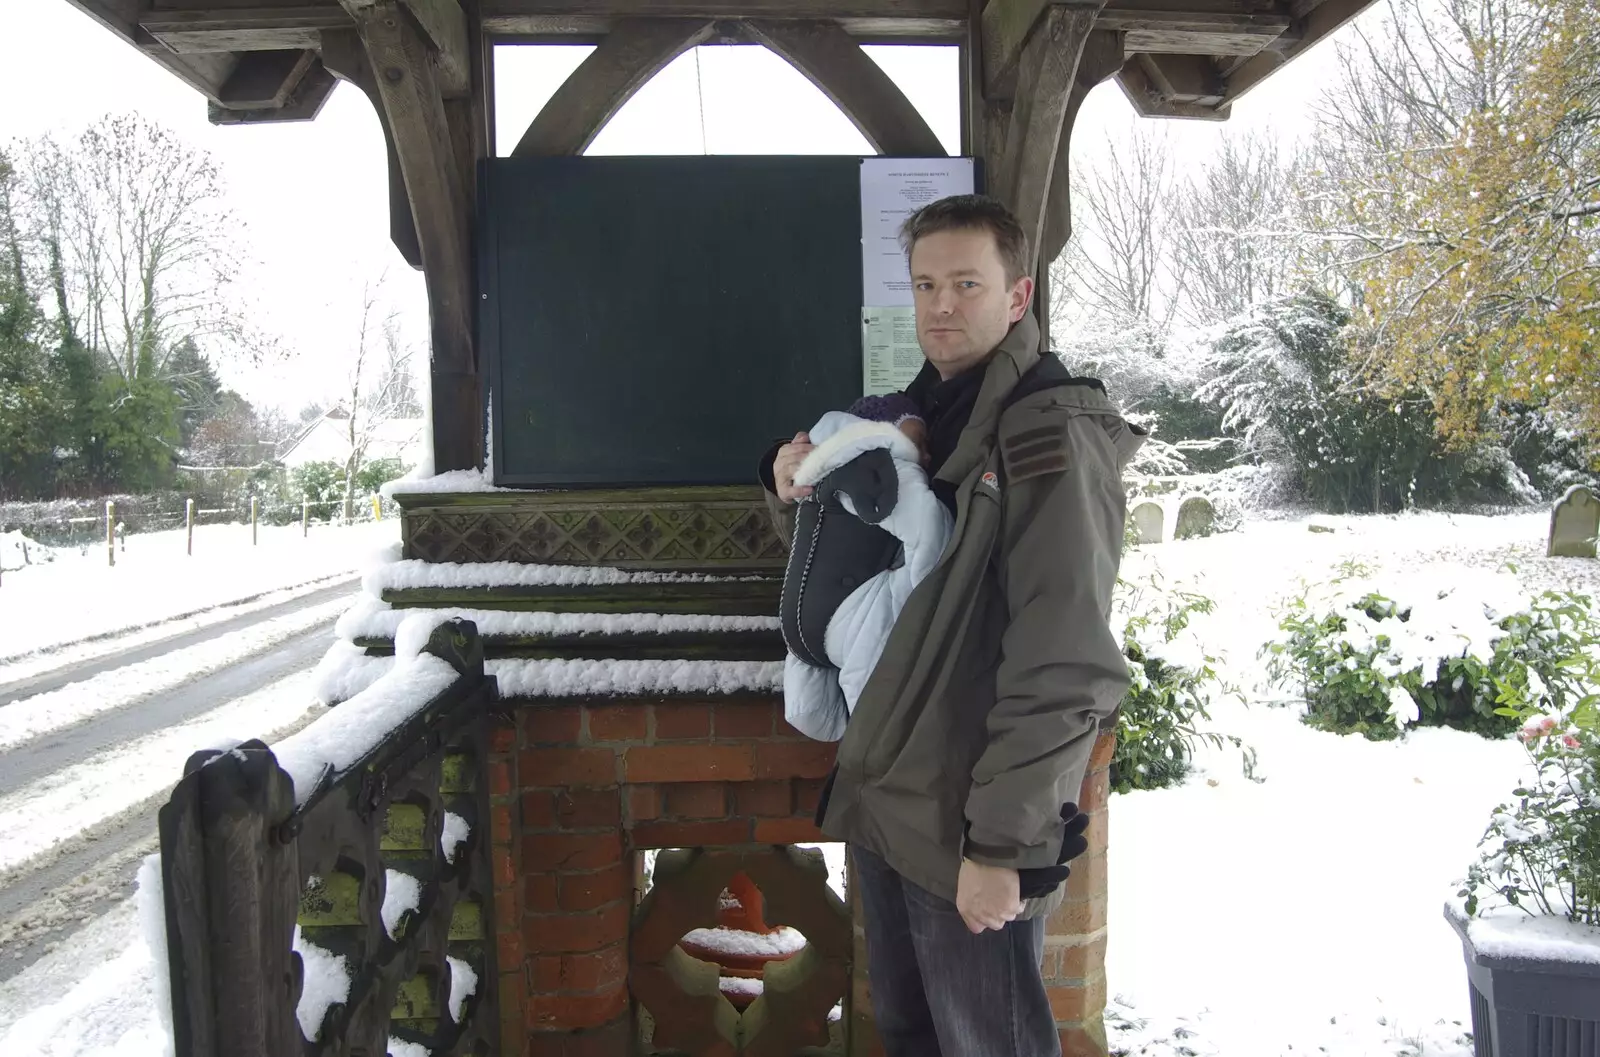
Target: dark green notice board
[(661, 320)]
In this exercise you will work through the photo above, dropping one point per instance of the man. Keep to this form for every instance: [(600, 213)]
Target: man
[(959, 768)]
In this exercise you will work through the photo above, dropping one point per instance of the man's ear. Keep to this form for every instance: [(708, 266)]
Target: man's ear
[(1021, 297)]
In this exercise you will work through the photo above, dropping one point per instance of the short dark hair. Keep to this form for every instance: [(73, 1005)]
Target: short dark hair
[(972, 213)]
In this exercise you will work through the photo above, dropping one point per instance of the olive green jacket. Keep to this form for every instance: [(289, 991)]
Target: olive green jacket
[(977, 724)]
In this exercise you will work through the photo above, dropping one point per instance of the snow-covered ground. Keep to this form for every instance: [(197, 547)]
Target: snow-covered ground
[(1298, 909), (79, 596)]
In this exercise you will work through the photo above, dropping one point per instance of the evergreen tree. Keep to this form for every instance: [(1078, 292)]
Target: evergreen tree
[(27, 410)]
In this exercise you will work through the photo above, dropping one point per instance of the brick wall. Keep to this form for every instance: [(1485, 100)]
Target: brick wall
[(578, 788)]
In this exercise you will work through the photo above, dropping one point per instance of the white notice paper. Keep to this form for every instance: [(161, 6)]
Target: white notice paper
[(891, 190), (890, 356)]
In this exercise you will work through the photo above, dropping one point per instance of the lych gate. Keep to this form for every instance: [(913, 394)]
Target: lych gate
[(481, 869)]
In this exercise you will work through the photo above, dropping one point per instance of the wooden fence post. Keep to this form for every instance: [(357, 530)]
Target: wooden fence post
[(111, 532), (305, 517), (188, 521), (252, 521)]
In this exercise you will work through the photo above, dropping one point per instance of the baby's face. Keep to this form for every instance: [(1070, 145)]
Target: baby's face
[(917, 430)]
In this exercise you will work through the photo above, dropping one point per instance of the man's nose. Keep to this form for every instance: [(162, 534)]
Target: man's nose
[(944, 301)]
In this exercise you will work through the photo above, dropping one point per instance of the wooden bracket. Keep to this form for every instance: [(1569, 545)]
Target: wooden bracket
[(1047, 73), (345, 56), (833, 61), (444, 26), (400, 59), (1102, 57), (634, 51)]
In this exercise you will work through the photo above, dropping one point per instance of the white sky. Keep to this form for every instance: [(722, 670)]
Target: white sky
[(311, 198)]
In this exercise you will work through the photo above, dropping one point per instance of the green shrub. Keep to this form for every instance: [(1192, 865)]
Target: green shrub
[(1173, 680), (1371, 664)]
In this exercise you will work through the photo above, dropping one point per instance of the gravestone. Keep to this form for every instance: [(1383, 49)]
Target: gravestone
[(1196, 517), (1149, 519), (1574, 524)]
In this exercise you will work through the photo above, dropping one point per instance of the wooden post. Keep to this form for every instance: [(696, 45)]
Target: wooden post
[(188, 522), (305, 517), (252, 521), (111, 532)]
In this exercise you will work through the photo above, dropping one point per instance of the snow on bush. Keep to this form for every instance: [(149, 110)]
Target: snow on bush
[(18, 551), (455, 832), (326, 982), (402, 1048), (1452, 640), (463, 985)]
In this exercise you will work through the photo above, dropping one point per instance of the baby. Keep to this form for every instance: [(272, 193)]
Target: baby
[(865, 536)]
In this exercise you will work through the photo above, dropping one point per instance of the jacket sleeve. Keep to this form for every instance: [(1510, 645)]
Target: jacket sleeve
[(1060, 670)]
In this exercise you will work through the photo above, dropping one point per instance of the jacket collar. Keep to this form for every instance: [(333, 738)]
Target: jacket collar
[(1011, 359)]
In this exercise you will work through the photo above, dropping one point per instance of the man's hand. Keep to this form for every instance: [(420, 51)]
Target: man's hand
[(987, 896), (787, 461)]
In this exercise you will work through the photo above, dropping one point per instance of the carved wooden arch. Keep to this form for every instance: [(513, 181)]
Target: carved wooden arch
[(634, 51), (637, 49)]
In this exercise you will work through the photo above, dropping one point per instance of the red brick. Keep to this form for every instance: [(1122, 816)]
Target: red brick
[(691, 834), (513, 992), (644, 803), (697, 800), (1096, 791), (553, 768), (566, 1012), (1088, 877), (619, 723), (787, 831), (744, 721), (503, 739), (506, 911), (545, 973), (1078, 1003), (589, 808), (600, 971), (1083, 961), (1105, 747), (541, 893), (764, 799), (587, 891), (571, 851), (1077, 917), (567, 932), (1085, 1041), (783, 730), (810, 759), (1098, 831), (608, 1041), (499, 778), (807, 795), (509, 945), (676, 722), (505, 871), (688, 763), (1050, 964), (552, 725), (500, 824), (539, 809)]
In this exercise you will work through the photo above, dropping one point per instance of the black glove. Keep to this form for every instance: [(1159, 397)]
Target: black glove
[(1041, 880)]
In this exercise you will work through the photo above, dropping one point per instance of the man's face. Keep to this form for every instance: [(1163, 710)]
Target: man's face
[(965, 306)]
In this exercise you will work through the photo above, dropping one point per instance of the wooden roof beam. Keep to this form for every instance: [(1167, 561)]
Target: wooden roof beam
[(1184, 86), (835, 63), (1315, 19), (1194, 33), (444, 28), (300, 102), (635, 51), (242, 29), (872, 19)]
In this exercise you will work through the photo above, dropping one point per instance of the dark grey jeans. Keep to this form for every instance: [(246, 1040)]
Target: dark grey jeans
[(938, 990)]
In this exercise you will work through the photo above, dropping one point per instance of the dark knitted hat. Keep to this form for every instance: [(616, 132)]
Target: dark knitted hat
[(893, 408)]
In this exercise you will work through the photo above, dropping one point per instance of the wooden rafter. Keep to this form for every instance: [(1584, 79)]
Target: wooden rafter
[(265, 79), (1102, 56), (345, 55), (444, 26), (302, 103), (401, 59), (859, 87), (862, 18), (623, 62), (1046, 75), (1184, 86)]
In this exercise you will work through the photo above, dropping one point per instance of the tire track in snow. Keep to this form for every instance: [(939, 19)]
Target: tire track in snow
[(27, 720)]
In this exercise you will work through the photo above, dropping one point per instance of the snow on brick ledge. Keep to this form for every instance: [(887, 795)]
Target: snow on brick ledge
[(582, 678), (372, 619), (441, 483), (413, 573)]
